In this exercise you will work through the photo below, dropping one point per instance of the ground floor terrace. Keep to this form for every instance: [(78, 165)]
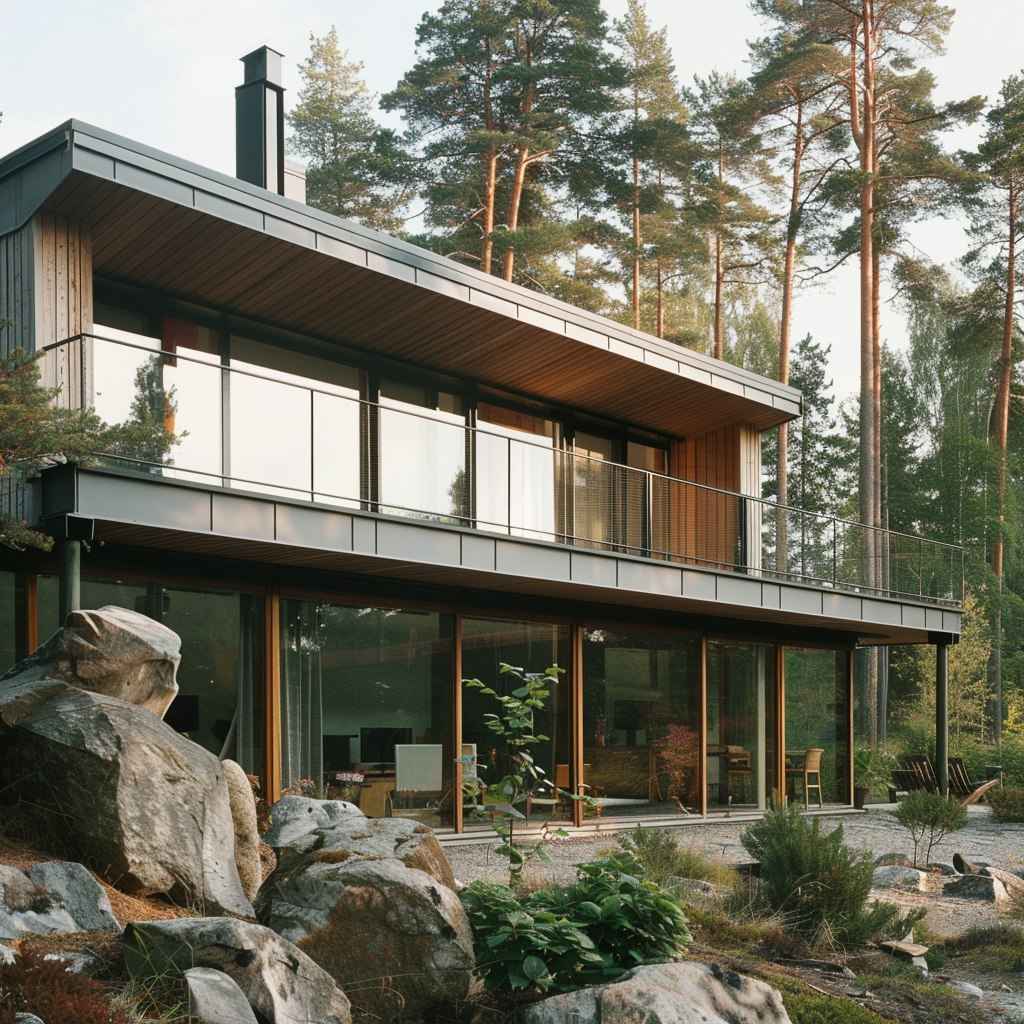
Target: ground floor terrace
[(358, 692)]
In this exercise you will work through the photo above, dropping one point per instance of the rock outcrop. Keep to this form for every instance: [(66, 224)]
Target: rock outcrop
[(110, 651), (214, 997), (280, 983), (242, 802), (677, 993), (382, 887), (135, 800), (51, 898)]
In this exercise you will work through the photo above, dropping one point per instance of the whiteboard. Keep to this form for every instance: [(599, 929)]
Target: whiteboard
[(419, 766)]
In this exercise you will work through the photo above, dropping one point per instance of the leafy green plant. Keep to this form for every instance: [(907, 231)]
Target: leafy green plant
[(662, 859), (929, 818), (817, 883), (607, 922), (631, 921), (1007, 803), (872, 768), (515, 724)]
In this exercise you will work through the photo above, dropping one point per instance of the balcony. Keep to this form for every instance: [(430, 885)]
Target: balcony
[(204, 418)]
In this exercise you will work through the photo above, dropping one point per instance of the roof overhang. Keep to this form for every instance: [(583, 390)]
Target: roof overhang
[(212, 240)]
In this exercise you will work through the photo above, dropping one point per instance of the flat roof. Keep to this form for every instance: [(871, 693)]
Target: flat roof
[(87, 172)]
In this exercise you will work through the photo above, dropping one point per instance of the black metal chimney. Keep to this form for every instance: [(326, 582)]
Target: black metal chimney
[(259, 121)]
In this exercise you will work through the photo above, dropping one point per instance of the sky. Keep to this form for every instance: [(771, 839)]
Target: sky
[(164, 74)]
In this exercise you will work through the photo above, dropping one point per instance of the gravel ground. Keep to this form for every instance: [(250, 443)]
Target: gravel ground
[(983, 839)]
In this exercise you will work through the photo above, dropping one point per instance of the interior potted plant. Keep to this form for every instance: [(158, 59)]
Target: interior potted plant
[(872, 770)]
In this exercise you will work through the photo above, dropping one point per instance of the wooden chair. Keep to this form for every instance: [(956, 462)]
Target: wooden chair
[(554, 799), (811, 766), (962, 786)]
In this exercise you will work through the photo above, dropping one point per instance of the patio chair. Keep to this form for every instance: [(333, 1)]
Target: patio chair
[(961, 784), (810, 767)]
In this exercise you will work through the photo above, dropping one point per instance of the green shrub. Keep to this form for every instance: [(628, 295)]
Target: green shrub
[(818, 885), (662, 859), (631, 921), (1007, 803), (607, 922), (929, 818), (812, 1008)]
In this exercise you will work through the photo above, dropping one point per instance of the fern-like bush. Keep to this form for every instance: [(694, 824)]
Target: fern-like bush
[(33, 984), (816, 883)]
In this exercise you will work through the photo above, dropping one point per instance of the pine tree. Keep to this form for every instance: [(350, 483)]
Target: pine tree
[(653, 139), (794, 83), (996, 206), (734, 161), (356, 168)]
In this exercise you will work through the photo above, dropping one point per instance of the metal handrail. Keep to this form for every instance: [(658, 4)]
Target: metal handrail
[(821, 521)]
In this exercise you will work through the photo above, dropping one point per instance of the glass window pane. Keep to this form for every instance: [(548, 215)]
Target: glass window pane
[(816, 725), (192, 383), (220, 693), (366, 708), (287, 438), (516, 476), (741, 689), (599, 491), (8, 622), (422, 451), (641, 721), (534, 647)]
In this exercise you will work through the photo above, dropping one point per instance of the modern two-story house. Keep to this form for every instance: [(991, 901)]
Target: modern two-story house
[(354, 473)]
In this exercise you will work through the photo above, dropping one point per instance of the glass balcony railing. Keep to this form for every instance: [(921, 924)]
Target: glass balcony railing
[(197, 416)]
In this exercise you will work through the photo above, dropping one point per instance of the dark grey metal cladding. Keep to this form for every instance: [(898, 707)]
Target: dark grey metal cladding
[(259, 121), (102, 154), (398, 545)]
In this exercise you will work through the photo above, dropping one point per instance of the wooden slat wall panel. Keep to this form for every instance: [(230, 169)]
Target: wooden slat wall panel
[(704, 523)]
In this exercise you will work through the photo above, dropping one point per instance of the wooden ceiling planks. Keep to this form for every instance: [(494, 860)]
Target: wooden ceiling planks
[(209, 261)]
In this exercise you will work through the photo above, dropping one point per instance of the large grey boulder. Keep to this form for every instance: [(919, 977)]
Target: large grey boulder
[(325, 830), (110, 650), (897, 877), (295, 818), (214, 997), (242, 802), (978, 887), (677, 993), (52, 898), (396, 939), (138, 802), (280, 983)]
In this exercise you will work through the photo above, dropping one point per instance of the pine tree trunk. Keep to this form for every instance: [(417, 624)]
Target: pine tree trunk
[(661, 301), (719, 341), (490, 192), (881, 539), (518, 180), (868, 469), (785, 328), (1002, 430), (636, 242)]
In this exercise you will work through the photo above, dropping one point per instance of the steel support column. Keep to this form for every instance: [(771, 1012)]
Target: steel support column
[(70, 578), (942, 714)]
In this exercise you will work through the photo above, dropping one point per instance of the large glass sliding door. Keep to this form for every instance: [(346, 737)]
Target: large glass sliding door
[(817, 740), (741, 720), (220, 703), (366, 707), (641, 721), (534, 647)]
